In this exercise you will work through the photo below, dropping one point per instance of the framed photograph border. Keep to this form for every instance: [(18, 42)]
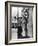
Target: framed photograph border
[(6, 22)]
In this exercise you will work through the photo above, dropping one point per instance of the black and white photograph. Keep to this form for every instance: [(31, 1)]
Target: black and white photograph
[(20, 22)]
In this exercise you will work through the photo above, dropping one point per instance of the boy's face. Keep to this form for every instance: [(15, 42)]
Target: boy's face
[(25, 12)]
